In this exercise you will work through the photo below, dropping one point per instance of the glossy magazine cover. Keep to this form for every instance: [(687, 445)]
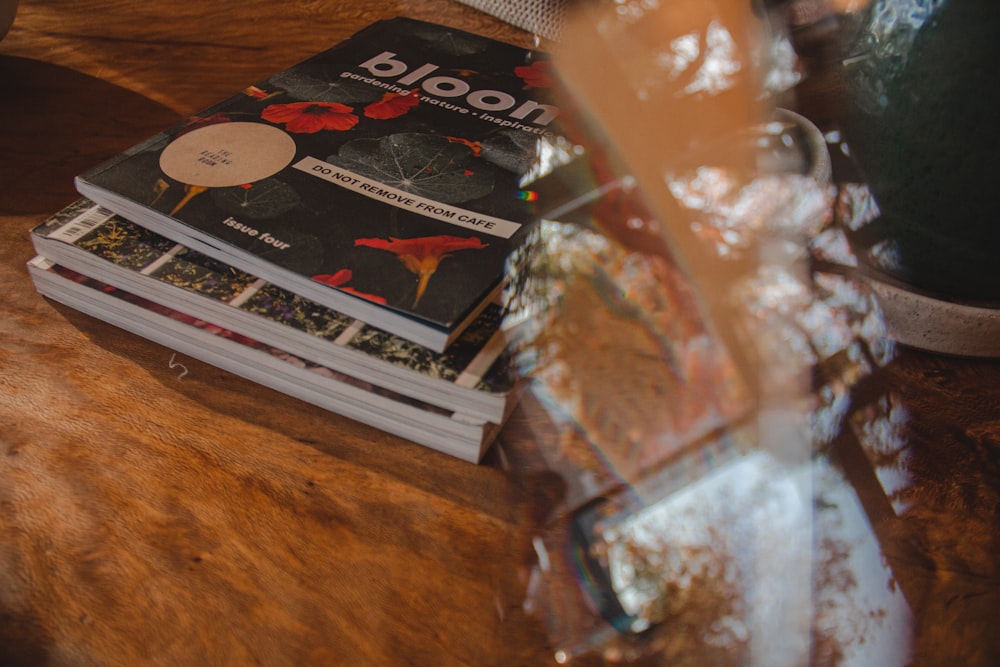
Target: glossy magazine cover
[(380, 177)]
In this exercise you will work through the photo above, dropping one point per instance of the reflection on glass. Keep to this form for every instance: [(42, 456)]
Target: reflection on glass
[(702, 359), (861, 617), (708, 565), (662, 553)]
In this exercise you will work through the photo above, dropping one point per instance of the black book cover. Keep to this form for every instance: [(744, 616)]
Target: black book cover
[(380, 177)]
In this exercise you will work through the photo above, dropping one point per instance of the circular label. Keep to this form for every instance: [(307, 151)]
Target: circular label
[(227, 154)]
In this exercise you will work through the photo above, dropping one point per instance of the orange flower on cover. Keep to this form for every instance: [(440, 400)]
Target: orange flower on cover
[(477, 148), (536, 75), (311, 117), (260, 94), (255, 92), (339, 278), (421, 256), (196, 122), (392, 105)]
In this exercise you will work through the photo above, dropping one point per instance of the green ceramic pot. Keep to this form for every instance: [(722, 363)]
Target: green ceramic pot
[(923, 129)]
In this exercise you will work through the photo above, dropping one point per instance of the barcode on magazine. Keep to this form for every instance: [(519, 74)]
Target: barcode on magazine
[(80, 225)]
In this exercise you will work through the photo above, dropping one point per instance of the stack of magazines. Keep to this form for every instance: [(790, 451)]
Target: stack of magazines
[(338, 232)]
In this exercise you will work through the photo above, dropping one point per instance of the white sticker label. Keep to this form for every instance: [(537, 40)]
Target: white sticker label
[(405, 200), (81, 224), (227, 154)]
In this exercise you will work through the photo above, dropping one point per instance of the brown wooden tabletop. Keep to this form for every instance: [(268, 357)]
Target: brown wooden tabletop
[(157, 511)]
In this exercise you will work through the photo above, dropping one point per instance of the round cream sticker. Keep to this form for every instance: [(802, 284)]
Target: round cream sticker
[(227, 154)]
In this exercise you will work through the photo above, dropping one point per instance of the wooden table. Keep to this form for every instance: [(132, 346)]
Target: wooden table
[(151, 516)]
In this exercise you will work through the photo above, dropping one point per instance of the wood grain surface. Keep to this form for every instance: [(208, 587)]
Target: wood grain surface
[(157, 511)]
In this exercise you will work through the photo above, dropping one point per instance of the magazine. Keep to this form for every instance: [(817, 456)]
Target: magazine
[(381, 178), (472, 376), (458, 435)]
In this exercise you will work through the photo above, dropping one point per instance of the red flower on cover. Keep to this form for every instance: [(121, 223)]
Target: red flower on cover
[(311, 117), (536, 75), (392, 105), (421, 256), (364, 295), (334, 279), (339, 278)]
